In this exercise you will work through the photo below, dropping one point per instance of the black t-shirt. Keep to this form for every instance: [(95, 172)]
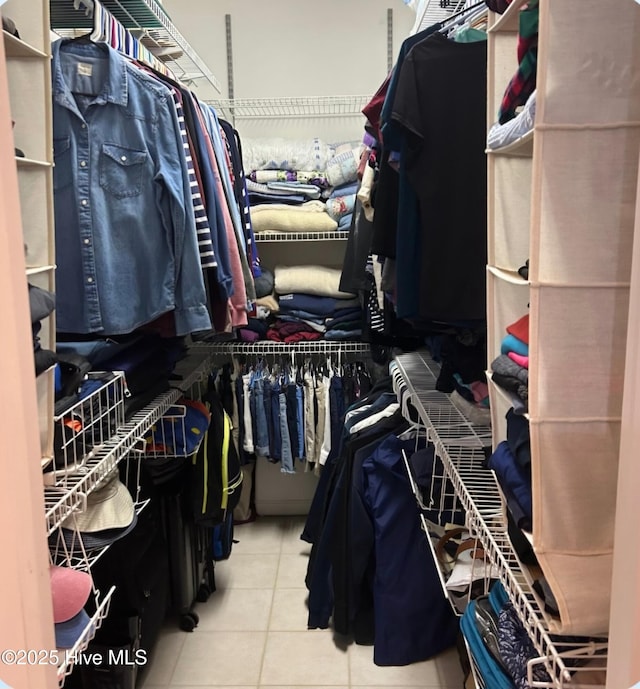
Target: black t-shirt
[(441, 103)]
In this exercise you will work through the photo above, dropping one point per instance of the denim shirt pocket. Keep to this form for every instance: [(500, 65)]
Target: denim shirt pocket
[(62, 173), (122, 170)]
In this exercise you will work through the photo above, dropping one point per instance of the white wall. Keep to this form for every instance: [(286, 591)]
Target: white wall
[(291, 48)]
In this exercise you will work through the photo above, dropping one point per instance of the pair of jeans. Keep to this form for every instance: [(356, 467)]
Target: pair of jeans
[(286, 453), (267, 393), (262, 428), (292, 419), (337, 410), (276, 449)]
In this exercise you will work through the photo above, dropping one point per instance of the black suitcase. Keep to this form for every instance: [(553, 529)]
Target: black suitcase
[(139, 568), (191, 565)]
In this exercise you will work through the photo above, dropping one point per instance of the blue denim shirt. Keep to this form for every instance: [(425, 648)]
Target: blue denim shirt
[(126, 243)]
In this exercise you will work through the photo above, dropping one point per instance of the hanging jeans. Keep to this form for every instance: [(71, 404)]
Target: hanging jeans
[(274, 455), (286, 454), (262, 429), (292, 418), (337, 410), (300, 410)]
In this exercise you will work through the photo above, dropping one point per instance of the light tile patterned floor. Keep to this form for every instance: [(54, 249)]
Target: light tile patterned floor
[(253, 633)]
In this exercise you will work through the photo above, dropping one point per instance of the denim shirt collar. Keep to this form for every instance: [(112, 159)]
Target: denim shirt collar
[(116, 88)]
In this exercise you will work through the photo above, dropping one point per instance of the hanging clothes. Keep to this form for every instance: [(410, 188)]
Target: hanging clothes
[(126, 242)]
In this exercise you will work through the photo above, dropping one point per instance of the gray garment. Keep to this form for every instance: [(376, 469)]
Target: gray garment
[(309, 418), (508, 367)]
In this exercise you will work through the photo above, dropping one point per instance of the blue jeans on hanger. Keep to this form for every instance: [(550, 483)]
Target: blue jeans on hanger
[(286, 454), (300, 412), (268, 389), (262, 429)]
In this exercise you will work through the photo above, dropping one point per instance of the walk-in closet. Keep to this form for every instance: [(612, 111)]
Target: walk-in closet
[(319, 345)]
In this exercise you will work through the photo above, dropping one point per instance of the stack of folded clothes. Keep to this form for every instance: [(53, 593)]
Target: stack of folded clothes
[(289, 182), (310, 317), (511, 368)]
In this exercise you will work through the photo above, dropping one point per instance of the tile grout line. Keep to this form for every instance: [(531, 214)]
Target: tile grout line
[(175, 664), (269, 618)]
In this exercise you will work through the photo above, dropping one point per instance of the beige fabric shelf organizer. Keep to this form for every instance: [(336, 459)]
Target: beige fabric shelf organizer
[(583, 176)]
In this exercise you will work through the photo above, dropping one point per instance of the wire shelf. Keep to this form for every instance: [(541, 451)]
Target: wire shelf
[(60, 502), (73, 554), (284, 348), (431, 11), (150, 23), (481, 497), (291, 107), (69, 657), (83, 428), (264, 237)]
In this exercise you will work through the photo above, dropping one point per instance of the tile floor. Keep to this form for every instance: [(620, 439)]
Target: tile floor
[(253, 631)]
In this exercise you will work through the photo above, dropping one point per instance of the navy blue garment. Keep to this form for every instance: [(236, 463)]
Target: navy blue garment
[(413, 620), (276, 449), (292, 418), (267, 389), (318, 509), (336, 412), (519, 439), (321, 306), (512, 476)]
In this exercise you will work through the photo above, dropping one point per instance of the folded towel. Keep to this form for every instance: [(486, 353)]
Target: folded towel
[(322, 306), (308, 190), (520, 329), (309, 217), (507, 367), (315, 177), (285, 154), (343, 335), (513, 344), (316, 280), (519, 359), (344, 190)]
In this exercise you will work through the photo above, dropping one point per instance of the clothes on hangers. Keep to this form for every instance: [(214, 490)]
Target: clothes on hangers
[(150, 220), (366, 538), (292, 415)]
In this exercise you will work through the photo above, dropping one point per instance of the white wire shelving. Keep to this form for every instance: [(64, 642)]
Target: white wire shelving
[(149, 23), (288, 107), (285, 348), (61, 502), (459, 444), (266, 237), (68, 658), (431, 11)]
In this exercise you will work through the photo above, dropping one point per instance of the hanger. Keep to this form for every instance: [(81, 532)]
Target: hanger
[(454, 19)]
